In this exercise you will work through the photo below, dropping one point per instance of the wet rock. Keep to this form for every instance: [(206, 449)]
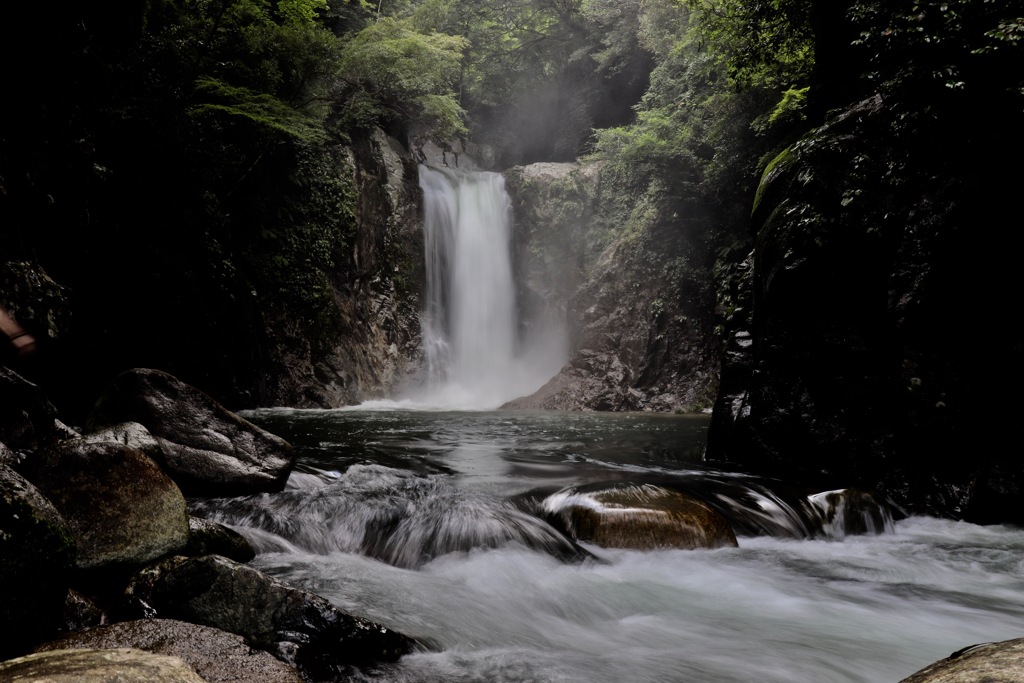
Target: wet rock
[(206, 448), (299, 627), (37, 555), (1001, 662), (852, 511), (638, 516), (97, 666), (123, 509), (217, 656), (206, 537)]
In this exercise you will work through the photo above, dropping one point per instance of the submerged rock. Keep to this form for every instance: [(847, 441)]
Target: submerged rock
[(217, 656), (206, 448), (638, 516), (1001, 662), (97, 666)]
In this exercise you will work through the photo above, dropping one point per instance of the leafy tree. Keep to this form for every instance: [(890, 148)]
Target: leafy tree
[(396, 74)]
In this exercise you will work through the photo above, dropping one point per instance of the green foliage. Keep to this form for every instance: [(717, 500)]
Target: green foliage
[(398, 73), (261, 109), (955, 44)]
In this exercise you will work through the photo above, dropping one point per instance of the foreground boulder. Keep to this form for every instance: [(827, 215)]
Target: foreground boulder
[(37, 555), (207, 449), (639, 517), (214, 654), (123, 509), (1001, 662), (97, 666), (299, 627)]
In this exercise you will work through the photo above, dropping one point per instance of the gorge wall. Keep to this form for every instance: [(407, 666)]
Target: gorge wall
[(873, 350)]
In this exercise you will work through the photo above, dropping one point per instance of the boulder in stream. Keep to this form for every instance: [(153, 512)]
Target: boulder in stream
[(206, 448), (638, 516)]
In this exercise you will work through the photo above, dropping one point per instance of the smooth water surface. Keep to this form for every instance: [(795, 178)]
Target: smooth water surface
[(867, 608)]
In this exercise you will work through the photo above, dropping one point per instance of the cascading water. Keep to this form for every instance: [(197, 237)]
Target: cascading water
[(470, 320)]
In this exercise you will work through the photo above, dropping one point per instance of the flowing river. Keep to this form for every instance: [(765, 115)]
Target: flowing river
[(408, 517)]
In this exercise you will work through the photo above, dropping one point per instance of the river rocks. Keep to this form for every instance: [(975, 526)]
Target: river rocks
[(297, 626), (123, 509), (217, 656), (206, 448), (37, 555), (97, 666), (640, 517), (1001, 662)]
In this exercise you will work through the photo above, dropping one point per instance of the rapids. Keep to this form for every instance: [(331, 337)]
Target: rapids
[(415, 519)]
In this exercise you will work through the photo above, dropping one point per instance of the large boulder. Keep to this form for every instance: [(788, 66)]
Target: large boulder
[(637, 516), (37, 556), (206, 448), (97, 666), (217, 656), (297, 626), (1001, 662), (123, 509)]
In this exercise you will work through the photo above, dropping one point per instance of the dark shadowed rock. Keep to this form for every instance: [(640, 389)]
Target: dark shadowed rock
[(1001, 662), (299, 627), (123, 509), (206, 537), (27, 418), (97, 666), (638, 516), (206, 448), (217, 656), (37, 555), (80, 612)]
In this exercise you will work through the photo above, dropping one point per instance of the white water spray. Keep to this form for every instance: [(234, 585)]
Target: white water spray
[(475, 358)]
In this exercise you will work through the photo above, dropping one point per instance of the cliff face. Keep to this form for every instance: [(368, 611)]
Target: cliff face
[(871, 352), (635, 299), (374, 293)]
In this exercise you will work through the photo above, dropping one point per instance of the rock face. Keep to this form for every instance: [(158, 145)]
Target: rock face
[(1001, 662), (375, 293), (864, 358), (206, 448), (123, 509), (217, 656), (37, 554), (641, 517), (97, 666), (640, 331)]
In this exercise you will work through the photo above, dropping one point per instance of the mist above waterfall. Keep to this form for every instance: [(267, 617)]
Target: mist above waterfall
[(476, 351)]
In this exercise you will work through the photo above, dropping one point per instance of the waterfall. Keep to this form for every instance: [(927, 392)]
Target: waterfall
[(470, 319)]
